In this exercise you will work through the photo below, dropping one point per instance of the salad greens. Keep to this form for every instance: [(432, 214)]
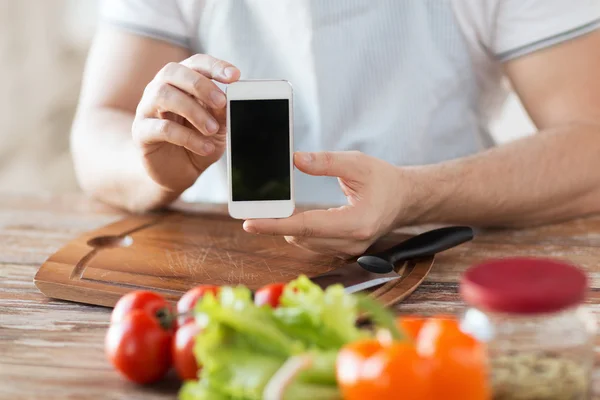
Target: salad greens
[(243, 346)]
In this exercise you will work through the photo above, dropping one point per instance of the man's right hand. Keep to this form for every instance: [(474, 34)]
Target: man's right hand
[(179, 126)]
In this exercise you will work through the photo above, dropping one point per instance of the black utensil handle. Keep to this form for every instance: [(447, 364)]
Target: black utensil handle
[(423, 245)]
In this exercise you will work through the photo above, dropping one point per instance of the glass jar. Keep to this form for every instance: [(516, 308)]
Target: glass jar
[(539, 336)]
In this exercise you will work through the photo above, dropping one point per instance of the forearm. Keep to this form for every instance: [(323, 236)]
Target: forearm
[(552, 176), (107, 164)]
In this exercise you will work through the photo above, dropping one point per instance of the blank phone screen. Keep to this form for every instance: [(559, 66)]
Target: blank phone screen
[(260, 150)]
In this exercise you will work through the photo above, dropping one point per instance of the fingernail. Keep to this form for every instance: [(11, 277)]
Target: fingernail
[(211, 125), (228, 72), (218, 98), (208, 147), (307, 158), (249, 228)]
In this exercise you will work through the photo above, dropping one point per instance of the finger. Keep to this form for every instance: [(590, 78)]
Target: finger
[(213, 68), (194, 83), (342, 248), (171, 99), (332, 223), (152, 130), (348, 165)]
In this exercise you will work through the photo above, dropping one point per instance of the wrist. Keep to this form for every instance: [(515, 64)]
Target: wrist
[(139, 196), (142, 193), (423, 194)]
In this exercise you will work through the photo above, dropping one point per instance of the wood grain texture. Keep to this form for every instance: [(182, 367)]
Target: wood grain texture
[(172, 252), (53, 349)]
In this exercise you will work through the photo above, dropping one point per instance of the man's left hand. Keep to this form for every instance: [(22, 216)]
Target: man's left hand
[(377, 194)]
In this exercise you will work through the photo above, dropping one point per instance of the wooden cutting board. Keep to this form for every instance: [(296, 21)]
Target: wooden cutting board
[(174, 251)]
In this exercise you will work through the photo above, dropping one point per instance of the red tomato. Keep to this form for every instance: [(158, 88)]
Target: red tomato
[(153, 303), (458, 360), (188, 301), (139, 347), (366, 369), (269, 294), (183, 351)]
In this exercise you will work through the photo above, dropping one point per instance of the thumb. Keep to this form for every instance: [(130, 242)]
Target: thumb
[(348, 165)]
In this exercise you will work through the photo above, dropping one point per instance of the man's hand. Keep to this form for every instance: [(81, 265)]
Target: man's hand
[(180, 121), (376, 193)]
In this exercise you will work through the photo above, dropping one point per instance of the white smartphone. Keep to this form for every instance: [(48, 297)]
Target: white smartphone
[(260, 147)]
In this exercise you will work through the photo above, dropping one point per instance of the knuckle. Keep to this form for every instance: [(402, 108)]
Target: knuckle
[(163, 92), (165, 129), (139, 111), (217, 66), (356, 250), (294, 240), (148, 105), (364, 233), (358, 157), (197, 58), (306, 231), (136, 133), (149, 92), (198, 84), (360, 161), (328, 160), (168, 70), (188, 140)]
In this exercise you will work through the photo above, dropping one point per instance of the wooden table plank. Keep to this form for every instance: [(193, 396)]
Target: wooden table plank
[(34, 227), (35, 382), (54, 349), (579, 232), (452, 263)]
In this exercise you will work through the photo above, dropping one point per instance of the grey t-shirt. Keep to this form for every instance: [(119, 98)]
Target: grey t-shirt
[(409, 81)]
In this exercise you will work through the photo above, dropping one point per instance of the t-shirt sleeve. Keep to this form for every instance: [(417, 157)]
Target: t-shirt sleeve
[(524, 26), (157, 19)]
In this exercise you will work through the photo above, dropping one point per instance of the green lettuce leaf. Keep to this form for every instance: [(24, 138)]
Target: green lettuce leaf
[(303, 391), (243, 375), (242, 346), (200, 390), (234, 308), (194, 390), (232, 364), (322, 371), (321, 319)]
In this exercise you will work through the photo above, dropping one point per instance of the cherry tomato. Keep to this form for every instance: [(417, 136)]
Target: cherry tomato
[(368, 369), (458, 360), (188, 301), (183, 351), (152, 303), (269, 294), (139, 347)]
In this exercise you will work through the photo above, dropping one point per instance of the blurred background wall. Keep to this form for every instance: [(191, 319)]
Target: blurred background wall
[(43, 45)]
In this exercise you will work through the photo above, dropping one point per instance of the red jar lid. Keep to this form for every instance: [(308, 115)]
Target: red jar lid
[(523, 285)]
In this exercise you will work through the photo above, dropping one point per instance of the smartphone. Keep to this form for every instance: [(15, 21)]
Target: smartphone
[(260, 149)]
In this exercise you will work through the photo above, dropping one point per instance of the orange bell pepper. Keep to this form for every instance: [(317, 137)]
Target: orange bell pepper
[(368, 369), (411, 325), (438, 361), (458, 360)]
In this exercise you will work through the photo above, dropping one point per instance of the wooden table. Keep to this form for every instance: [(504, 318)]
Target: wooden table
[(54, 349)]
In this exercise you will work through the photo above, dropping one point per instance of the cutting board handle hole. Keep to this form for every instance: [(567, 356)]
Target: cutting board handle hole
[(107, 242)]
